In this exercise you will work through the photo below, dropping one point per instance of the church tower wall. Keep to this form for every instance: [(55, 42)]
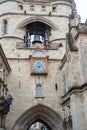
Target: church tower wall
[(19, 20)]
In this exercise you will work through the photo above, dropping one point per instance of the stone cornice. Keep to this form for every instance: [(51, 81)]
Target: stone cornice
[(11, 37), (36, 1), (81, 29), (41, 1), (4, 59), (18, 1), (34, 14), (46, 1), (74, 89), (80, 32)]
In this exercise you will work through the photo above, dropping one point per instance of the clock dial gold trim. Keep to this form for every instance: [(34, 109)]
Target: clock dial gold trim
[(39, 65)]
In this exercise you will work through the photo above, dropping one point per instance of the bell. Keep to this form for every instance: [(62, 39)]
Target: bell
[(37, 39)]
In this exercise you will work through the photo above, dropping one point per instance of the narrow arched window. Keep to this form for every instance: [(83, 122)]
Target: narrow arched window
[(32, 7), (43, 8), (38, 90), (5, 27)]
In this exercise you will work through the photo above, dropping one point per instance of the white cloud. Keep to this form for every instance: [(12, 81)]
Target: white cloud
[(81, 6)]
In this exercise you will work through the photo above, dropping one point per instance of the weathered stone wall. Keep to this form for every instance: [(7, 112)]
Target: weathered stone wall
[(81, 43), (22, 84)]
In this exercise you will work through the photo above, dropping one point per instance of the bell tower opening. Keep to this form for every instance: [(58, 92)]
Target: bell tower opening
[(37, 32)]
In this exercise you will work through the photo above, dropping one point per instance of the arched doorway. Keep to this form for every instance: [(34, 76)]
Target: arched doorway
[(39, 113)]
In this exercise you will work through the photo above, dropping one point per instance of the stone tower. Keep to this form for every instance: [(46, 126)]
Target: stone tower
[(40, 39)]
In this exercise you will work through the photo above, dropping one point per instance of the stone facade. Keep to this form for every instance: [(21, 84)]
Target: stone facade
[(63, 102), (5, 96)]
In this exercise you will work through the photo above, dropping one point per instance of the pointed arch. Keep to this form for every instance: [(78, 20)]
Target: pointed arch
[(37, 19), (40, 113)]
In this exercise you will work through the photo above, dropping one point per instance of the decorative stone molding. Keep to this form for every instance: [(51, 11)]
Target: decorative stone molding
[(39, 19), (81, 29), (73, 89), (46, 1), (22, 45), (19, 1)]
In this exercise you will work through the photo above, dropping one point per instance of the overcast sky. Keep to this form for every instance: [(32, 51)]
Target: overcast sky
[(81, 6)]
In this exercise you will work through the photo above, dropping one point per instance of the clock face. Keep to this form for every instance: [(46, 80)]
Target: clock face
[(39, 66)]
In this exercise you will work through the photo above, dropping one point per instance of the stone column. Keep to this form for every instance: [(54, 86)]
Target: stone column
[(77, 111), (82, 58), (85, 105)]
